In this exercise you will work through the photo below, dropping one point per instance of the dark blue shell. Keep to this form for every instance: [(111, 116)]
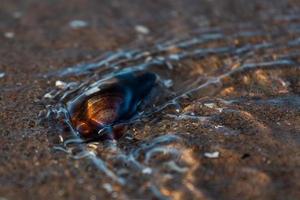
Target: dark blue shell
[(121, 95)]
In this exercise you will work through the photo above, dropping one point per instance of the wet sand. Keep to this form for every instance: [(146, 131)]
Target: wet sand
[(256, 135)]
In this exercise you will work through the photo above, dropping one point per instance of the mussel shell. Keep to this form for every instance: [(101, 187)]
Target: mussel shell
[(115, 100), (103, 110)]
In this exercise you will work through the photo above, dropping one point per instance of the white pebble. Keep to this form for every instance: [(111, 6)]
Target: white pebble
[(60, 84), (61, 139), (147, 170), (108, 187), (215, 154), (220, 109), (168, 83), (76, 24), (142, 29), (9, 35), (2, 74)]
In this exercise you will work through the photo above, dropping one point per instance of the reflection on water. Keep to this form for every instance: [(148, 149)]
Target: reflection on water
[(214, 85)]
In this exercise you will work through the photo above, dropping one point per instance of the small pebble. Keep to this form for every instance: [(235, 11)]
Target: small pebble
[(76, 24), (108, 187), (168, 83), (61, 139), (60, 84), (2, 74), (220, 109), (142, 29), (147, 170), (9, 35), (215, 154)]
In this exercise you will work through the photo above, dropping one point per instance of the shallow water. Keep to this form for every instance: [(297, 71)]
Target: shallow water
[(221, 84)]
